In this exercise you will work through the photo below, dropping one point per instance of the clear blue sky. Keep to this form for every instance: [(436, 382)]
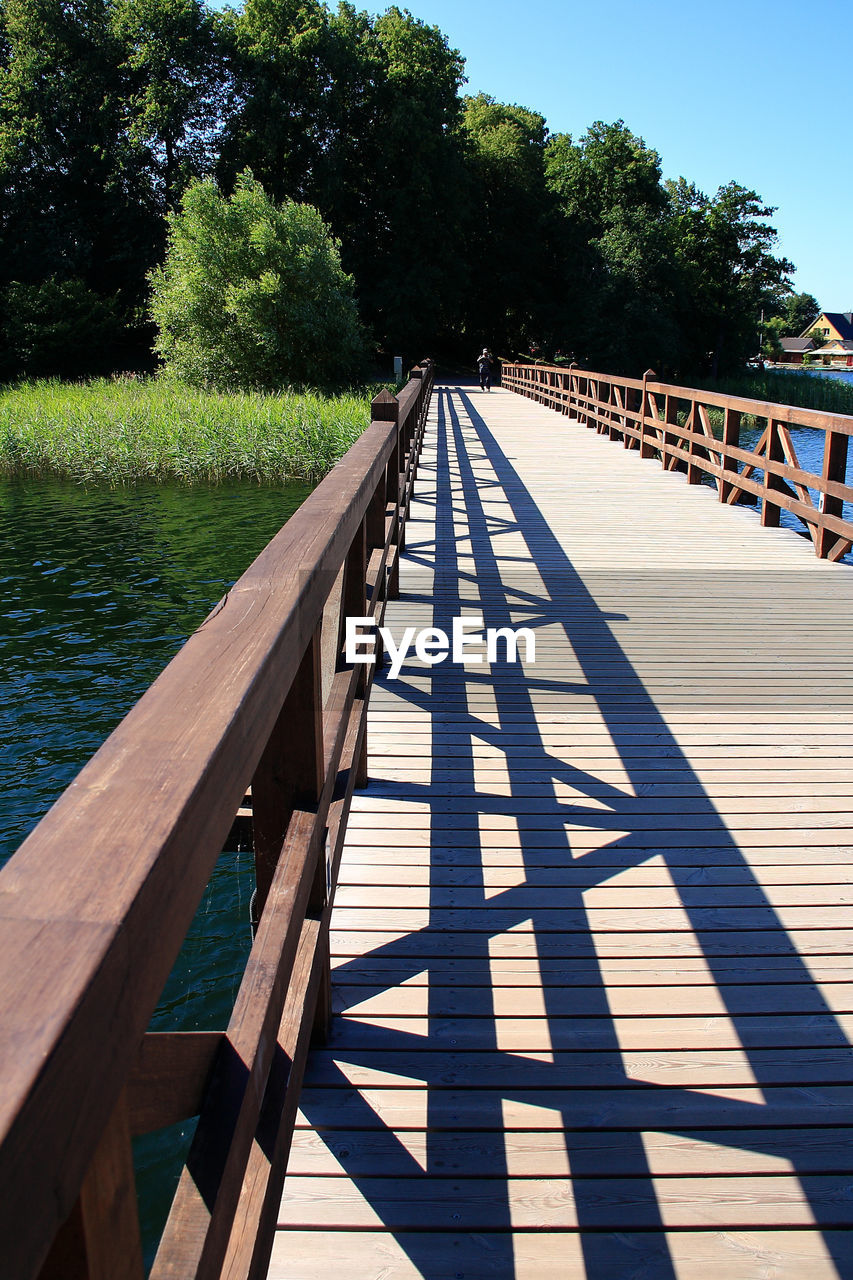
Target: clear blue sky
[(755, 92)]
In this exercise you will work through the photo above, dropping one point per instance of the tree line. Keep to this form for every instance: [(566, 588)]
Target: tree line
[(461, 219)]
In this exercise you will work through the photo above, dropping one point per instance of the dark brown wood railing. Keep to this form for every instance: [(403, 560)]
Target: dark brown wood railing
[(95, 905), (676, 424)]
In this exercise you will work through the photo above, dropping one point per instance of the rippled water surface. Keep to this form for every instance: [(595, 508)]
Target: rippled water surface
[(98, 589)]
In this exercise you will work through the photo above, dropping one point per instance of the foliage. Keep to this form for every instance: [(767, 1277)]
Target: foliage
[(73, 203), (55, 325), (808, 391), (801, 311), (252, 294), (334, 109), (460, 220), (173, 76), (618, 264), (508, 250), (118, 431), (728, 273)]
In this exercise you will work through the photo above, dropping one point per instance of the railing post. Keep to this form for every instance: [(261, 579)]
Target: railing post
[(289, 774), (731, 436), (385, 408), (354, 605), (694, 473), (669, 444), (645, 449), (834, 471), (771, 511), (101, 1240)]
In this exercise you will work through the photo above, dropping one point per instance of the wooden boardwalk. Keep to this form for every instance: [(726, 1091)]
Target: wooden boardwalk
[(592, 937)]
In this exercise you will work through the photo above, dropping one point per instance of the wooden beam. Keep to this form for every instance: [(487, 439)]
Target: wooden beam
[(168, 1082)]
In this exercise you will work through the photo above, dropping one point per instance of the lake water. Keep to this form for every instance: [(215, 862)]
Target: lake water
[(842, 375), (99, 590)]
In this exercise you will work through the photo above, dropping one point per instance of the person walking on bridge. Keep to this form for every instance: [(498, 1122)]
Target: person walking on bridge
[(484, 368)]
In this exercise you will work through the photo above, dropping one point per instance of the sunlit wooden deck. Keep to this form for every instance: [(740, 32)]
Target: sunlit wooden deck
[(592, 938)]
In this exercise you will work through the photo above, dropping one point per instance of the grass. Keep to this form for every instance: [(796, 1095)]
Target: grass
[(122, 430), (830, 395)]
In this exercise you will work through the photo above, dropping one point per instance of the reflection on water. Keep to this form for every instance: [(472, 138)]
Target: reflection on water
[(99, 588)]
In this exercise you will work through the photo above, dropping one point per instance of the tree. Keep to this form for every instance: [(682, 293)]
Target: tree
[(508, 247), (616, 250), (172, 85), (276, 125), (801, 311), (75, 205), (411, 268), (55, 327), (360, 117), (728, 274), (252, 294)]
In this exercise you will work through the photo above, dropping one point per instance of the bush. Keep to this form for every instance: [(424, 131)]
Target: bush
[(253, 295)]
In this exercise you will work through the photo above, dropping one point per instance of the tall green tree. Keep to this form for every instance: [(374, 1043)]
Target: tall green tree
[(412, 277), (361, 117), (172, 84), (277, 124), (75, 205), (728, 272), (801, 311), (508, 247), (615, 249)]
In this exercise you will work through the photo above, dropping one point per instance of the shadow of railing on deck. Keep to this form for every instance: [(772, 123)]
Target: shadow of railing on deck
[(603, 1108)]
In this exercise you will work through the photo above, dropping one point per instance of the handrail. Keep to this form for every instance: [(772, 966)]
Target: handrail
[(673, 423), (96, 903)]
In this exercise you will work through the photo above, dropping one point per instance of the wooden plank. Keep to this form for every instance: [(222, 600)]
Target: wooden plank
[(593, 897), (534, 1153), (607, 919), (644, 1033), (515, 1002), (383, 971), (168, 1082), (638, 1107), (417, 1204), (493, 1069), (701, 1255), (386, 875), (610, 944), (108, 1205)]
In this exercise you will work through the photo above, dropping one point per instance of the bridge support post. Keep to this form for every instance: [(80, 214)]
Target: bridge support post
[(828, 545), (770, 510), (290, 772), (669, 442), (731, 436), (647, 449), (385, 408), (100, 1239)]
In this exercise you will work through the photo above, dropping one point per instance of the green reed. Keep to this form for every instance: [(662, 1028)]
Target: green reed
[(829, 395), (116, 431)]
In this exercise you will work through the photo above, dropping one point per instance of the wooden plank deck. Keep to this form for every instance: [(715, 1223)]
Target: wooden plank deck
[(592, 939)]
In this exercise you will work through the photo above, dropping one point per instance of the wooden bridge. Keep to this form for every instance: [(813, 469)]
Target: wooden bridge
[(589, 918)]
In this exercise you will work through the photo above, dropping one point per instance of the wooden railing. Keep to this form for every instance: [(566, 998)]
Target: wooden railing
[(95, 905), (698, 432)]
